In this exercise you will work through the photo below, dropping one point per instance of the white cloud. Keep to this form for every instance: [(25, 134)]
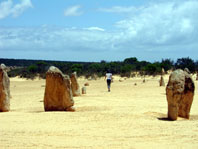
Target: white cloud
[(119, 9), (5, 8), (73, 11), (8, 8), (53, 38), (94, 28), (20, 8), (160, 24), (48, 42)]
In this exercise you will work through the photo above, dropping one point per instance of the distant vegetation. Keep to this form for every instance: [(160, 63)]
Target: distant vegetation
[(127, 68)]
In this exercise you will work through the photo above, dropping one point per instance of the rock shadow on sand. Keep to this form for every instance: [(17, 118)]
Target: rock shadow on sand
[(192, 118), (164, 119), (159, 116)]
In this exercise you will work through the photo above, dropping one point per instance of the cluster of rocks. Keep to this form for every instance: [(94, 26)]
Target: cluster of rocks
[(60, 89), (122, 79)]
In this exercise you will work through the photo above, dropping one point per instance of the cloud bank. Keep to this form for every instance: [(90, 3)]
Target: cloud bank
[(158, 30), (163, 24), (7, 8), (159, 26)]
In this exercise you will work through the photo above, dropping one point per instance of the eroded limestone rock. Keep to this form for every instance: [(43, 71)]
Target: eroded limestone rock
[(74, 85), (58, 94), (161, 82), (163, 71), (4, 90), (179, 93)]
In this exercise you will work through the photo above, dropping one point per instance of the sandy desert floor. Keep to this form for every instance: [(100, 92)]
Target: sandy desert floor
[(127, 117)]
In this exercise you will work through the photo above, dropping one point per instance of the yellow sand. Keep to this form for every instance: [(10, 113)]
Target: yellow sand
[(127, 117)]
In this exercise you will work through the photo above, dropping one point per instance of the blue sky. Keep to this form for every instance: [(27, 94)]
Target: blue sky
[(90, 30)]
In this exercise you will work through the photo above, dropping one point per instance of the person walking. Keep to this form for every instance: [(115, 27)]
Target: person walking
[(108, 77)]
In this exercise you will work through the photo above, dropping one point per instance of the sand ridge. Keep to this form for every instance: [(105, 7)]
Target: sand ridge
[(127, 117)]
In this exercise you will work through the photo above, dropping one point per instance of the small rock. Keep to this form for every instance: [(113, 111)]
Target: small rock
[(83, 90), (161, 81), (86, 84)]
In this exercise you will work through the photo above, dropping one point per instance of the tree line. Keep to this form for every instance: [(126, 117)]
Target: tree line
[(126, 68)]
